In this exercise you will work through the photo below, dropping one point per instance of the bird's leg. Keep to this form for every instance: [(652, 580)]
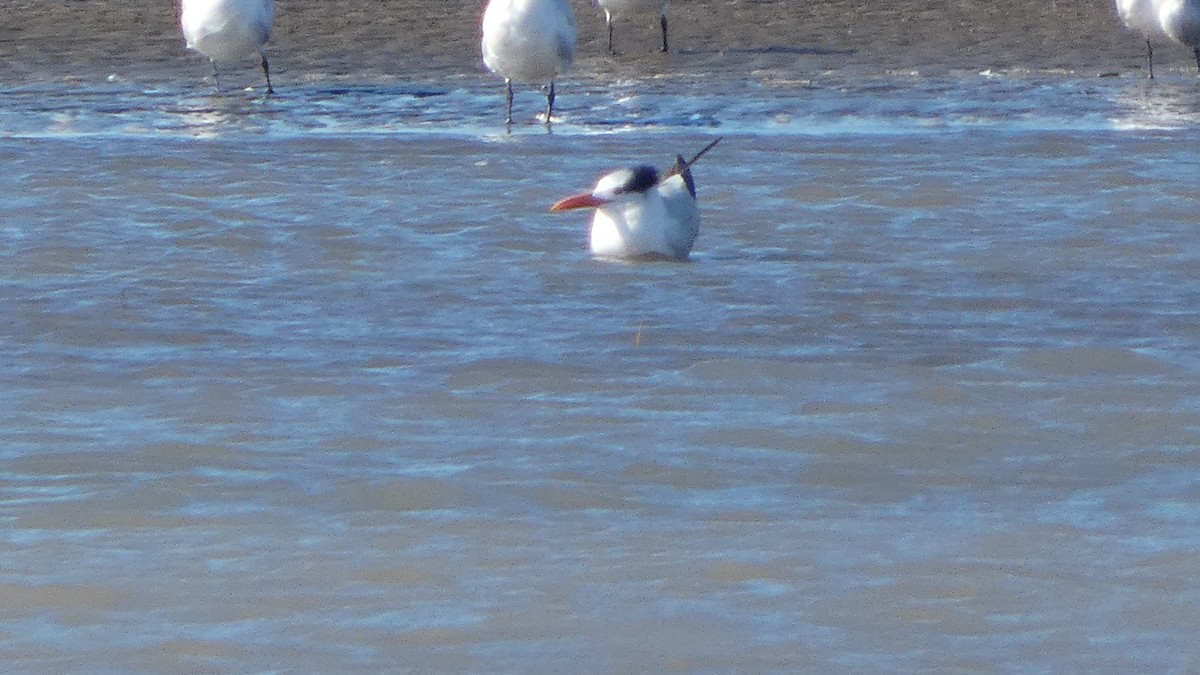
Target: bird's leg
[(508, 107), (216, 77), (664, 27), (1150, 57), (1196, 51), (267, 71), (608, 21), (550, 103)]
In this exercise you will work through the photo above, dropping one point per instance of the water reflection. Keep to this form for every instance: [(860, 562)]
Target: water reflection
[(222, 113), (1163, 103), (924, 376), (827, 104)]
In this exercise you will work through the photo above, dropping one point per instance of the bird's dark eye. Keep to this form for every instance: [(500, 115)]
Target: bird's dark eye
[(641, 179)]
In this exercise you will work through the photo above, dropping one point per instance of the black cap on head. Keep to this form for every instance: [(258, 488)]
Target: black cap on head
[(641, 179)]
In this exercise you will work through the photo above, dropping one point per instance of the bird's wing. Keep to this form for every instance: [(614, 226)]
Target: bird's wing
[(683, 169)]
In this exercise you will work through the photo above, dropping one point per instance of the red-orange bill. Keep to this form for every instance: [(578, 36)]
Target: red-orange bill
[(583, 201)]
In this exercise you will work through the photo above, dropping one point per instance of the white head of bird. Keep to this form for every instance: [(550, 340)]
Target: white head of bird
[(642, 214)]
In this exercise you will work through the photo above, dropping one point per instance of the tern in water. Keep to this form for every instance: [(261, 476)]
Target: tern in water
[(529, 42), (1180, 20), (1142, 16), (642, 215), (227, 30), (615, 9)]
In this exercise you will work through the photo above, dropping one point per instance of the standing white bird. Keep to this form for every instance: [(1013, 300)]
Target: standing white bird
[(615, 9), (529, 42), (640, 215), (227, 30), (618, 9), (1142, 16), (1180, 20)]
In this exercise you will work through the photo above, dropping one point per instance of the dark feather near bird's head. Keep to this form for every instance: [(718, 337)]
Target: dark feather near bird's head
[(683, 168), (641, 179)]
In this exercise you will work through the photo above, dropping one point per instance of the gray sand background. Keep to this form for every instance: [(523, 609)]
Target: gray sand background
[(430, 40)]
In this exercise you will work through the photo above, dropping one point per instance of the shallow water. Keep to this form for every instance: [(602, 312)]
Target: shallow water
[(317, 383)]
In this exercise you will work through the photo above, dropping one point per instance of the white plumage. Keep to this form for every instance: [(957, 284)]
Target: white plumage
[(1142, 16), (528, 42), (227, 30), (1180, 20), (662, 221), (640, 214)]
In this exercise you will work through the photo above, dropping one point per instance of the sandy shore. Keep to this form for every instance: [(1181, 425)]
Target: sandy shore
[(432, 39)]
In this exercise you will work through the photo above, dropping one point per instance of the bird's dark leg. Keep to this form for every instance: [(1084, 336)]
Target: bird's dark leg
[(216, 77), (664, 27), (608, 21), (1150, 57), (267, 72), (550, 103), (508, 106)]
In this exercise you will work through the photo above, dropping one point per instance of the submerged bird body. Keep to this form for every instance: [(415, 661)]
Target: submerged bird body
[(1142, 16), (1180, 20), (640, 214), (528, 42), (615, 9), (227, 30), (660, 219)]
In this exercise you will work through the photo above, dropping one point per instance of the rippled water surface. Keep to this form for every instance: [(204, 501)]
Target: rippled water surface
[(317, 383)]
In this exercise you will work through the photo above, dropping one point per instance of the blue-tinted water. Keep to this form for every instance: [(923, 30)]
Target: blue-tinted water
[(317, 382)]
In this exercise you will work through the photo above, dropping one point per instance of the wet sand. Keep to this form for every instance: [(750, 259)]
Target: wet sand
[(425, 40)]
